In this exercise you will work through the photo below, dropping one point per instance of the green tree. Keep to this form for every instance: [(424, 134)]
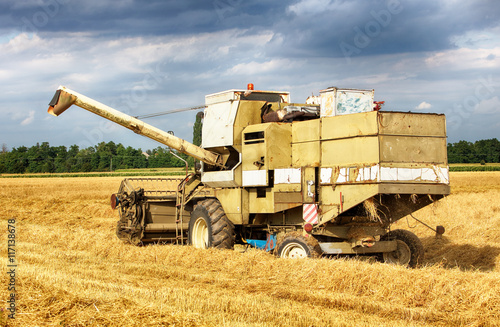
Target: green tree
[(197, 128)]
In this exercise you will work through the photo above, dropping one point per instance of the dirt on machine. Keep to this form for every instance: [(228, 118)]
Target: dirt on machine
[(325, 177)]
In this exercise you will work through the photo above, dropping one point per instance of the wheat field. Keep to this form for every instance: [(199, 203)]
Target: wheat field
[(73, 271)]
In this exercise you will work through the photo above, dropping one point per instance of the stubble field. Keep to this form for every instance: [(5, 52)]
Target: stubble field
[(73, 271)]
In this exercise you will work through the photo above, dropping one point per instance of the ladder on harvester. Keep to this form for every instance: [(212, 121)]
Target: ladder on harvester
[(189, 188), (179, 212)]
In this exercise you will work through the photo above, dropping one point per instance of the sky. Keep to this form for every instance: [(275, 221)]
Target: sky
[(143, 57)]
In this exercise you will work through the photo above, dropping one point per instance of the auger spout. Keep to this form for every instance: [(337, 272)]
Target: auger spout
[(64, 98)]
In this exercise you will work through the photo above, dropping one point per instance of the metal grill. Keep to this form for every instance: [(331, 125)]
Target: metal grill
[(153, 187)]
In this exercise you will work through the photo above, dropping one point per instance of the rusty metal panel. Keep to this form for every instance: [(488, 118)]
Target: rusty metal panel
[(231, 201), (352, 151), (419, 124), (413, 149), (362, 124), (344, 197), (287, 200), (284, 197), (279, 145), (267, 146), (305, 131), (254, 156), (248, 114), (306, 154), (295, 187), (414, 188)]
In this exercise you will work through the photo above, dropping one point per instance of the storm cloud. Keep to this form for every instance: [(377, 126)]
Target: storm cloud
[(150, 56)]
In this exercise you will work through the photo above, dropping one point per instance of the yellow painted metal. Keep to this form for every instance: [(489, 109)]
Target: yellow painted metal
[(248, 114), (306, 150), (136, 125), (353, 151), (287, 200), (278, 145), (235, 204), (306, 154), (292, 187), (413, 149), (254, 156), (346, 126), (403, 123), (261, 203), (272, 150), (414, 188), (306, 131), (344, 197)]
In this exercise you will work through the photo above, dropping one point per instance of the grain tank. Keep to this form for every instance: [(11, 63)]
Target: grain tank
[(328, 176)]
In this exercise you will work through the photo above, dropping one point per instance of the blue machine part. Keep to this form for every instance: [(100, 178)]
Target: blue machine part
[(267, 245)]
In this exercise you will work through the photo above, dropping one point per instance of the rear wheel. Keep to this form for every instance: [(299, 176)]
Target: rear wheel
[(409, 251), (210, 227), (296, 246)]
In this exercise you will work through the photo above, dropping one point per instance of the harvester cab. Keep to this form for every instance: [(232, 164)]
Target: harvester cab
[(328, 176)]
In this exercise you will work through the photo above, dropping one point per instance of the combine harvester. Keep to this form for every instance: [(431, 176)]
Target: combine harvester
[(301, 180)]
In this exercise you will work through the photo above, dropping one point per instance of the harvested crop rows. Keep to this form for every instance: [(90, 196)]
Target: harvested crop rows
[(73, 271)]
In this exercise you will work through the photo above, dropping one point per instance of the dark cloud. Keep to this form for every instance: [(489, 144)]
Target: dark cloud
[(140, 17), (406, 50), (303, 28), (360, 28)]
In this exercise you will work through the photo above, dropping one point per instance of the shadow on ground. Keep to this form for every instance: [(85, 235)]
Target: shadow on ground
[(463, 256)]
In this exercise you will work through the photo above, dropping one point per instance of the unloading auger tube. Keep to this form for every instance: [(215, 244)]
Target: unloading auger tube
[(64, 98)]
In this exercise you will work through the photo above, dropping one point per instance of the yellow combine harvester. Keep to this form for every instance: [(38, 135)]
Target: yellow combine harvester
[(302, 180)]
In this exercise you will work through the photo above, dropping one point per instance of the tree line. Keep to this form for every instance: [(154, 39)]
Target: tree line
[(43, 158), (483, 151)]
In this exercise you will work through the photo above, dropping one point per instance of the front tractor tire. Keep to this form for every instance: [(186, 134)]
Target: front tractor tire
[(409, 252), (296, 246), (210, 227)]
